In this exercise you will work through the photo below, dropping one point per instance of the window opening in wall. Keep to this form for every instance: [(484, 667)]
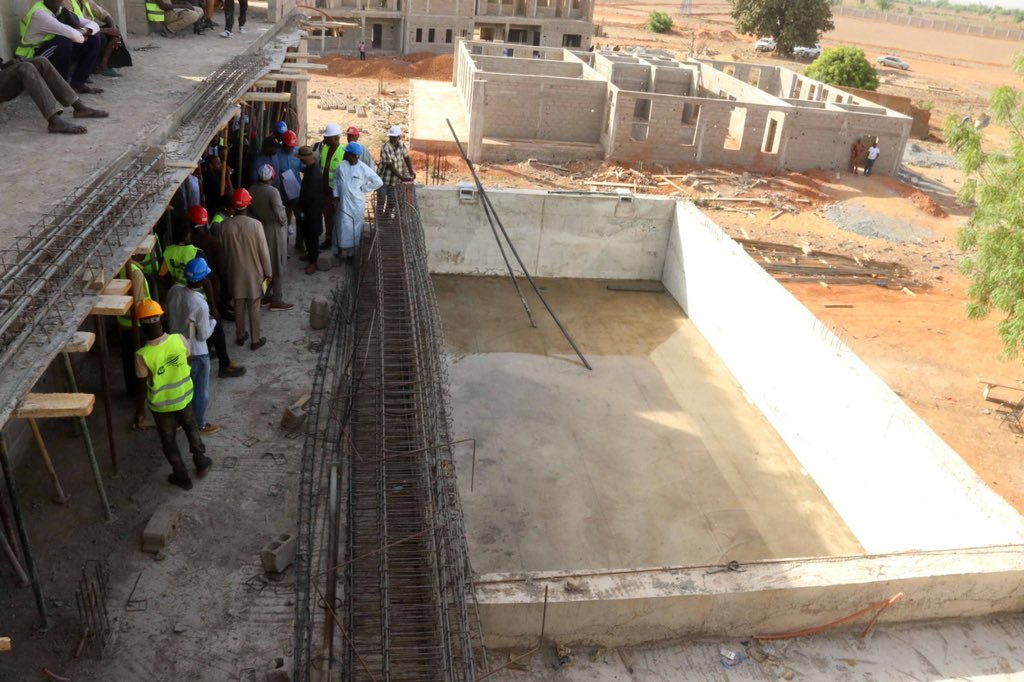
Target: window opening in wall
[(737, 122), (641, 119), (572, 40), (754, 77), (486, 34), (577, 4), (419, 35), (448, 35), (464, 33), (377, 36), (477, 49), (543, 3), (430, 35), (772, 133), (517, 35), (691, 115)]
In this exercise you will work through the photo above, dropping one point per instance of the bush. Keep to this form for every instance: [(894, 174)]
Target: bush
[(883, 4), (659, 22), (844, 66)]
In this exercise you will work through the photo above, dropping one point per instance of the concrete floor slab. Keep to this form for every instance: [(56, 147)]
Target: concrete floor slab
[(654, 458)]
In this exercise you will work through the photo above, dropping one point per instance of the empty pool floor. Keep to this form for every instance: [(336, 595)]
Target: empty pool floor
[(654, 458)]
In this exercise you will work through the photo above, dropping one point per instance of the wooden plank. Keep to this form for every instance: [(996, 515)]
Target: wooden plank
[(265, 83), (285, 76), (145, 246), (52, 405), (5, 643), (117, 287), (283, 97), (81, 342), (304, 66), (112, 305), (302, 55)]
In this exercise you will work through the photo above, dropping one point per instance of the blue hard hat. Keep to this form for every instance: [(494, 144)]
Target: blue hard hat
[(354, 148), (197, 270), (281, 127)]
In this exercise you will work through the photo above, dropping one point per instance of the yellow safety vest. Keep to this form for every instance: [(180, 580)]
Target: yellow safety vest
[(77, 8), (25, 49), (339, 154), (154, 13), (169, 384), (126, 320), (176, 257)]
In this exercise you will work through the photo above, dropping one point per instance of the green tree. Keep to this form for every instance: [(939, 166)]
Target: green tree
[(844, 66), (789, 22), (883, 4), (659, 22), (993, 239)]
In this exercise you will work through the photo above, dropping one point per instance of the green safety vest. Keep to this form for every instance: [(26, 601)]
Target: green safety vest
[(126, 320), (169, 384), (339, 154), (77, 8), (176, 257), (154, 13), (215, 224), (25, 49)]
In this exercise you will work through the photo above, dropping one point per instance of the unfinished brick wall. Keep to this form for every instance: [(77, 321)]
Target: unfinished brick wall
[(530, 107)]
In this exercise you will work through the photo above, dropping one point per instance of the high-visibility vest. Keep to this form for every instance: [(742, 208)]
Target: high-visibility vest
[(215, 224), (169, 384), (339, 154), (77, 8), (126, 320), (154, 13), (27, 50), (176, 257)]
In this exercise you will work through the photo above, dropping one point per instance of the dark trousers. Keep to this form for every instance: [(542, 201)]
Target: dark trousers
[(131, 382), (387, 198), (868, 163), (43, 83), (362, 55), (65, 54), (229, 13), (167, 424), (311, 225), (328, 212), (219, 345)]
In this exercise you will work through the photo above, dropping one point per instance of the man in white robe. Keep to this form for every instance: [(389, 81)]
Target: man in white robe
[(352, 180)]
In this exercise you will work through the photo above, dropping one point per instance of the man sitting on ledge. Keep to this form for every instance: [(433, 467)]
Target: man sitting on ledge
[(167, 18), (73, 45), (48, 90)]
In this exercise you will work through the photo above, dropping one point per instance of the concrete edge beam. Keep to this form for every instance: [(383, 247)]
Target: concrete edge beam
[(632, 607)]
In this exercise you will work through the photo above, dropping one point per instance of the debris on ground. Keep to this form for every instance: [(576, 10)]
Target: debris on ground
[(916, 155), (855, 217), (800, 263)]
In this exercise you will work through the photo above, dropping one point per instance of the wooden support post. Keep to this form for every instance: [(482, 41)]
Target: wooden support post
[(60, 497), (89, 451), (108, 410), (19, 519)]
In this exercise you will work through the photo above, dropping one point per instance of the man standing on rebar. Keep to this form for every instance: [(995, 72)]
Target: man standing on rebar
[(309, 215), (268, 208), (48, 89), (394, 162), (48, 30), (351, 183), (163, 363), (248, 263), (330, 159)]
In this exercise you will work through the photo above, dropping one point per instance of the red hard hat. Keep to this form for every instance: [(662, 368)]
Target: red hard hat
[(353, 131), (241, 198), (290, 139), (197, 215)]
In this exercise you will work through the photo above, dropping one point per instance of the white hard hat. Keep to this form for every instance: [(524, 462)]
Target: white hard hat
[(266, 172), (332, 130), (395, 131)]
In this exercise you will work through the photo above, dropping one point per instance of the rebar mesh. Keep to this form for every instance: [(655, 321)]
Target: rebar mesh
[(399, 604)]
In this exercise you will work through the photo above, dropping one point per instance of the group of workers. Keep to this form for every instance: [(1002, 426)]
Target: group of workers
[(231, 265)]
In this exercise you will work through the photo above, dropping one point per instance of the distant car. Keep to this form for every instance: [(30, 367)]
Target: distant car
[(765, 45), (807, 52), (895, 62)]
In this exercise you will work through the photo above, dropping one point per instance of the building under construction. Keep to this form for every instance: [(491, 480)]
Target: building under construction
[(532, 424)]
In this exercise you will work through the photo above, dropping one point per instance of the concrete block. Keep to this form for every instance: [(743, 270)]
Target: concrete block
[(160, 528), (295, 414), (319, 309), (278, 554), (325, 261)]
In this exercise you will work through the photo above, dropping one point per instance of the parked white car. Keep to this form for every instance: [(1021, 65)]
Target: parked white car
[(765, 45), (893, 61), (807, 52)]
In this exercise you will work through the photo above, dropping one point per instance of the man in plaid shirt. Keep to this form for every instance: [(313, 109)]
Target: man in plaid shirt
[(394, 161)]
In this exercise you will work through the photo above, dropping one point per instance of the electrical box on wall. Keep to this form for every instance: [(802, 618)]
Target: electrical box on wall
[(467, 192)]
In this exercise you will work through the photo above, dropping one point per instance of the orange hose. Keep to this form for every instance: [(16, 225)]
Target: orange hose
[(807, 632), (316, 9)]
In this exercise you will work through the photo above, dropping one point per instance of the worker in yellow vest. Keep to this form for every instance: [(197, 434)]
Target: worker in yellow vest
[(164, 364), (129, 338), (108, 31), (66, 42), (167, 18), (179, 254), (331, 156)]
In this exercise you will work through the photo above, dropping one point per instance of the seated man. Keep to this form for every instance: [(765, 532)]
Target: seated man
[(173, 16), (109, 33), (65, 41), (48, 90)]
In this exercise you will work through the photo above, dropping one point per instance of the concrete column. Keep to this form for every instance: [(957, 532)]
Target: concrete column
[(475, 146), (301, 98)]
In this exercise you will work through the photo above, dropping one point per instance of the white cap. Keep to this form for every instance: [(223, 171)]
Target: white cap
[(266, 172), (332, 130), (395, 131)]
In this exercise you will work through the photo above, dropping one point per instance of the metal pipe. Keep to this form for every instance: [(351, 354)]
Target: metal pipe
[(101, 344), (89, 451), (5, 544), (47, 462), (486, 200), (19, 519)]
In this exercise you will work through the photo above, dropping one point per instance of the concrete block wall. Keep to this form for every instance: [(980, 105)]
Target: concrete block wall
[(542, 108), (822, 139), (557, 235), (674, 81), (460, 27), (635, 77), (532, 67), (896, 484)]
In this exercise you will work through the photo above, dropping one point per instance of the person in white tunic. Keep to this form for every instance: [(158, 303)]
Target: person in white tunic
[(351, 181)]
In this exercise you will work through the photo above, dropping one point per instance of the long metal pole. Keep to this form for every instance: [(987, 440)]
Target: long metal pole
[(101, 338), (5, 545), (73, 387), (60, 498), (19, 520), (487, 201)]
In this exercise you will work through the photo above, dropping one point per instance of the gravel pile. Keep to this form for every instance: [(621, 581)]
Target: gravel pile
[(853, 217), (916, 155)]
